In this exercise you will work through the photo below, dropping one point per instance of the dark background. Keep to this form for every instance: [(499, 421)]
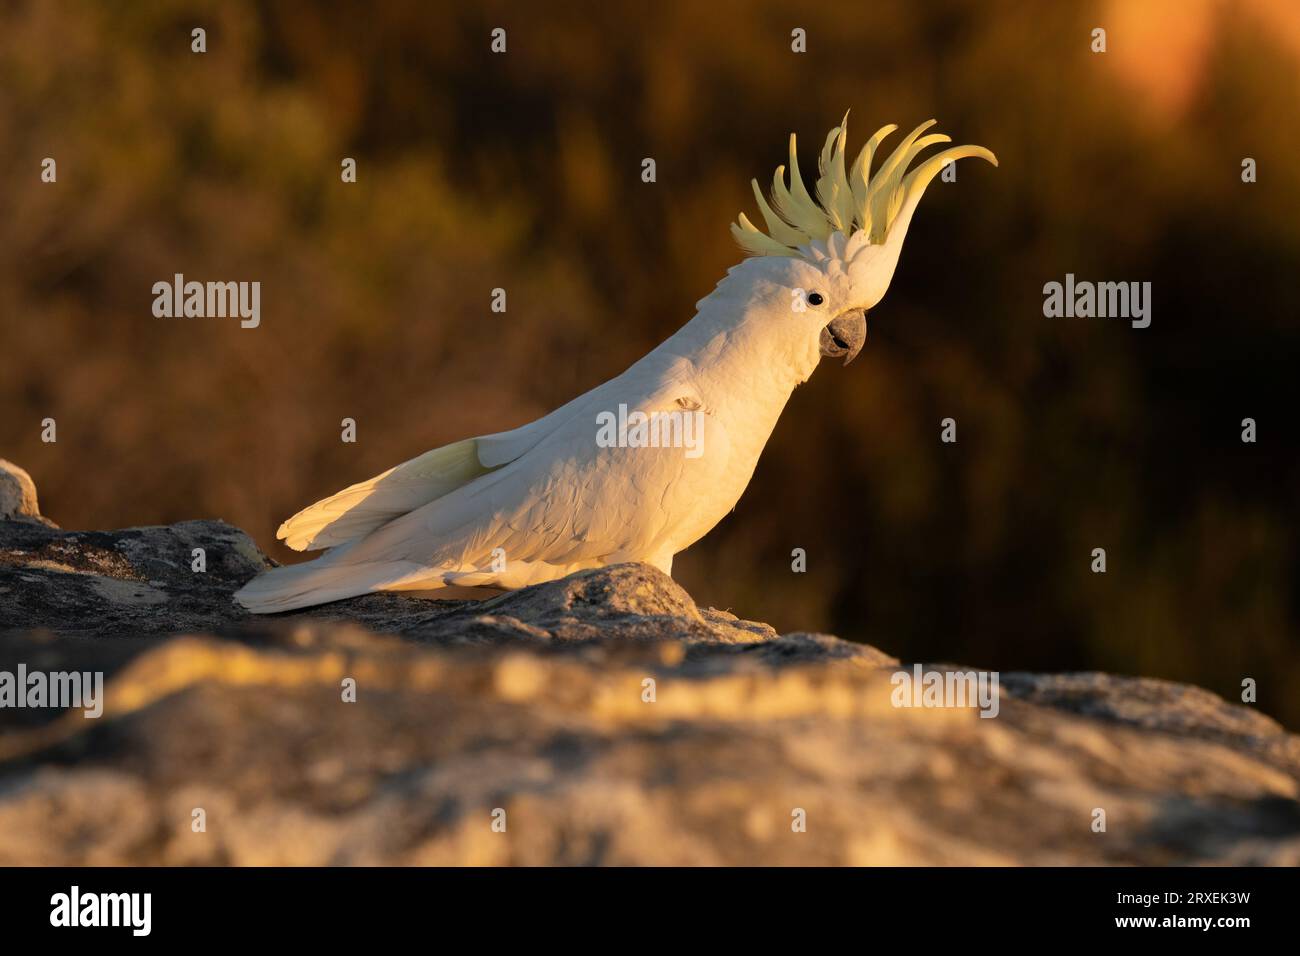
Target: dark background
[(523, 171)]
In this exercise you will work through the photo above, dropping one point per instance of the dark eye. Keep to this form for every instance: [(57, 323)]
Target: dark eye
[(815, 298)]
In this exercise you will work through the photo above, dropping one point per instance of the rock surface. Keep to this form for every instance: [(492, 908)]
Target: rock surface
[(534, 703), (17, 493)]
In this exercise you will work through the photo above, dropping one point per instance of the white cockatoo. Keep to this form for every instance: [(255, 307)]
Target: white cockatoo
[(643, 466)]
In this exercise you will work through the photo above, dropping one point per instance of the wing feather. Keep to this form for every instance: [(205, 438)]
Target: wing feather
[(361, 508)]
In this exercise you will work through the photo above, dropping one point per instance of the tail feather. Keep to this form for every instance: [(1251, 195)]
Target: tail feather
[(323, 580)]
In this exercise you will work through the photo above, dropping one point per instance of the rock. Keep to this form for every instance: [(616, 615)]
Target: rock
[(139, 582), (17, 493), (128, 583), (611, 719)]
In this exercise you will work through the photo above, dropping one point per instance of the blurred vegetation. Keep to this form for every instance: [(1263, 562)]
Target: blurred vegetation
[(522, 171)]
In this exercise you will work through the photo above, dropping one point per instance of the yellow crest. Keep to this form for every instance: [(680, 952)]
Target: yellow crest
[(849, 199)]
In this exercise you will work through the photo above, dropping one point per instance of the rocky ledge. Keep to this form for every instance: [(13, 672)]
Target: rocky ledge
[(603, 719)]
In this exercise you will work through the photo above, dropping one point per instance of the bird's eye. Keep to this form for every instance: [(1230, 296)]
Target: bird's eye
[(815, 298)]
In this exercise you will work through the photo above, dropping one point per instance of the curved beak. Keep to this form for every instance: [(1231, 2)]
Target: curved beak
[(845, 335)]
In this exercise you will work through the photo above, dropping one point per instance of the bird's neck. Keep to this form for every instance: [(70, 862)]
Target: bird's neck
[(743, 376), (742, 357)]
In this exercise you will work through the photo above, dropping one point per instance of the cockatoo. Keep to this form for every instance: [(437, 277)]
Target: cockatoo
[(588, 485)]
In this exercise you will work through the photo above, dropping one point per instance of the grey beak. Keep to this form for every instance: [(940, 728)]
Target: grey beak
[(845, 335)]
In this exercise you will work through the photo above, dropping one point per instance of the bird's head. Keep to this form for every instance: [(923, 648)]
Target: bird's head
[(824, 262)]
